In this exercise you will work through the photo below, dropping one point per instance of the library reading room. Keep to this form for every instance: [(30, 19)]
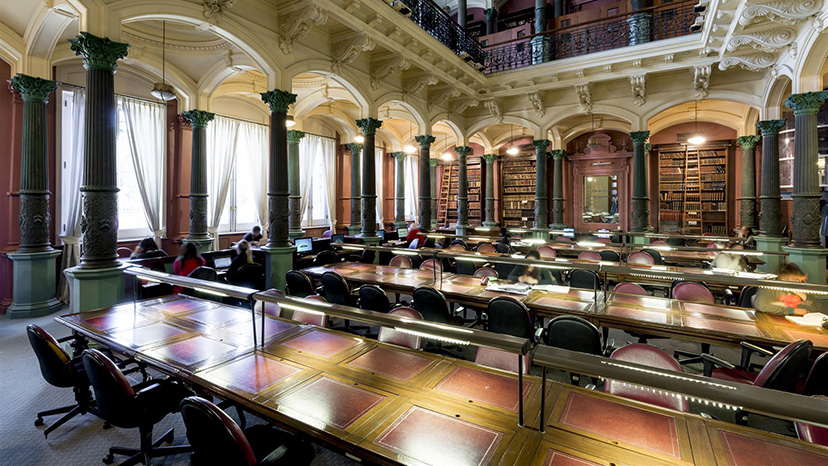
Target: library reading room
[(414, 232)]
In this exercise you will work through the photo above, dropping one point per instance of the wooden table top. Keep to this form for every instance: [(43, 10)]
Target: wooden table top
[(391, 405)]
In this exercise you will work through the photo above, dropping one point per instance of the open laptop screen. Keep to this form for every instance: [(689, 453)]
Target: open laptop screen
[(304, 245), (222, 262)]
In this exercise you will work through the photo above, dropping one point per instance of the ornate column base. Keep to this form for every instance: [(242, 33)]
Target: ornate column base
[(489, 224), (747, 212), (773, 264), (35, 284), (770, 215), (293, 234), (805, 221), (203, 244), (95, 288), (557, 214), (541, 232), (294, 219), (278, 261), (461, 229), (810, 260), (640, 214), (371, 240)]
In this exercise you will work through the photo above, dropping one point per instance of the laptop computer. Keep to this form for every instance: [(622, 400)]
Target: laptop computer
[(339, 238), (303, 245), (222, 262), (402, 232)]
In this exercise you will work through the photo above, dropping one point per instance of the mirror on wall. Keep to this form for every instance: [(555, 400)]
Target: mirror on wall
[(600, 199)]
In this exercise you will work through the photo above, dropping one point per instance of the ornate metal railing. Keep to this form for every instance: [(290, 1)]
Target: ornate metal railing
[(634, 28), (433, 20)]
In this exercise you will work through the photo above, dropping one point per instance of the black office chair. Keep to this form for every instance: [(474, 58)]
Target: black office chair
[(816, 383), (433, 306), (657, 259), (509, 316), (679, 242), (204, 273), (575, 334), (298, 284), (217, 439), (464, 267), (504, 248), (367, 257), (373, 298), (250, 276), (610, 256), (459, 242), (325, 258), (746, 296), (336, 289), (134, 406), (586, 279)]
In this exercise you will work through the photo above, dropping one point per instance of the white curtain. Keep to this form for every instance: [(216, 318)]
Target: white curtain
[(72, 205), (328, 163), (380, 195), (221, 158), (412, 186), (145, 125), (310, 149), (253, 149)]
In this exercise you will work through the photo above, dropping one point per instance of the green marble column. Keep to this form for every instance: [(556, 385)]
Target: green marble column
[(424, 204), (279, 250), (770, 214), (559, 8), (34, 277), (356, 188), (369, 127), (462, 227), (489, 221), (557, 189), (491, 17), (747, 200), (198, 235), (640, 195), (541, 188), (434, 189), (294, 198), (461, 13), (540, 44), (399, 198), (639, 23)]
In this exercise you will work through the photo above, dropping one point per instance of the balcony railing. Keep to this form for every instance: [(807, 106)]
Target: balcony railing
[(433, 20), (615, 32)]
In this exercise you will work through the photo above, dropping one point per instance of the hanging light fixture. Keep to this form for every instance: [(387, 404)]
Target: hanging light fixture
[(162, 90), (359, 139), (446, 155), (698, 138), (512, 150), (409, 148), (289, 122)]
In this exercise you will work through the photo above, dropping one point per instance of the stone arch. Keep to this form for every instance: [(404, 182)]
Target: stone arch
[(808, 66), (415, 111), (583, 128), (47, 25), (345, 78), (598, 108), (775, 94), (11, 49), (507, 119), (339, 120), (735, 96)]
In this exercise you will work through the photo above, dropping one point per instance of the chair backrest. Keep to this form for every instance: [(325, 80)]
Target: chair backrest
[(574, 334), (589, 256), (394, 337), (640, 257), (414, 244), (503, 248), (746, 296), (547, 252), (610, 256), (431, 264), (676, 242), (486, 248), (811, 433), (250, 276), (373, 298), (499, 359), (327, 234), (113, 393), (336, 289), (459, 245), (563, 238), (603, 240), (51, 357), (659, 242), (204, 273), (320, 320), (367, 257), (630, 288), (648, 356), (692, 291), (213, 434), (298, 284), (657, 259), (123, 252), (486, 272), (714, 244), (509, 316), (431, 304), (325, 258), (817, 381), (403, 262), (783, 369), (586, 279)]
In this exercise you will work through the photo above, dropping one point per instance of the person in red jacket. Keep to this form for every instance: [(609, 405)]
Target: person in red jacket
[(188, 260), (413, 231)]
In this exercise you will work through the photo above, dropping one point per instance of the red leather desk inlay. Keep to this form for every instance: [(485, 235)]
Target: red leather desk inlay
[(494, 389), (718, 311), (331, 401), (559, 303), (633, 426), (321, 344), (182, 305), (192, 350), (557, 458), (721, 326), (397, 364), (254, 373), (639, 314), (819, 339), (218, 316), (437, 439), (746, 451), (272, 327), (125, 317), (148, 334)]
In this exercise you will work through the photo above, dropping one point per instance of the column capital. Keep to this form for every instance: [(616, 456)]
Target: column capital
[(294, 136), (425, 140), (369, 126), (639, 137), (558, 154), (808, 102), (278, 100), (490, 158), (435, 162), (489, 12), (198, 118), (748, 142), (98, 52), (354, 147), (770, 127), (399, 155), (463, 150), (32, 88), (540, 145)]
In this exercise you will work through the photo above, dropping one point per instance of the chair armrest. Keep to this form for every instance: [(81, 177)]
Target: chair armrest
[(145, 386), (747, 352), (66, 338), (540, 334), (711, 362), (728, 297), (609, 346)]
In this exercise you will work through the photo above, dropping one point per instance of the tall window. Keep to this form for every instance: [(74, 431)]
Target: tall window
[(412, 183), (246, 192), (314, 186), (317, 213)]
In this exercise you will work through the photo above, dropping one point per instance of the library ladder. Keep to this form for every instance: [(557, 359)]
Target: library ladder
[(692, 194)]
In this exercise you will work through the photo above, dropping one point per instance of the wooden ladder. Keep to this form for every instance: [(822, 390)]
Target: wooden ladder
[(692, 194), (445, 193)]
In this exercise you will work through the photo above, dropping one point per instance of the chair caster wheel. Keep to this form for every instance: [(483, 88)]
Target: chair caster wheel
[(38, 422), (108, 459)]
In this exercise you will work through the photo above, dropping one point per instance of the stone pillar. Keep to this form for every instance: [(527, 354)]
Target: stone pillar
[(369, 127), (356, 190), (424, 205), (747, 201), (489, 221), (199, 120), (770, 210), (639, 23), (294, 198), (279, 251), (559, 8), (34, 277), (462, 190), (541, 189), (640, 196), (98, 280), (557, 189), (399, 198), (461, 13), (434, 190), (491, 16), (540, 49)]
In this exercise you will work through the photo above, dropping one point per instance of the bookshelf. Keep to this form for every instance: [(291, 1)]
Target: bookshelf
[(518, 197), (447, 210)]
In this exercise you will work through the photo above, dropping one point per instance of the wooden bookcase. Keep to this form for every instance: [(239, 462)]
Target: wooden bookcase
[(518, 197), (447, 200)]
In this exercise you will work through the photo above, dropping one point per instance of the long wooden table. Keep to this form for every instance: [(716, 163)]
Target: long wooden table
[(390, 405)]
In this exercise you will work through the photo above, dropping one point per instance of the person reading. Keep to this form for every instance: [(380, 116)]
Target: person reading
[(413, 231), (530, 274), (787, 302), (188, 260), (253, 236), (147, 249), (244, 256)]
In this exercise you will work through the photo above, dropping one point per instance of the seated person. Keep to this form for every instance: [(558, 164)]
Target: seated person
[(188, 260), (147, 249), (787, 302), (413, 231), (244, 256), (532, 275), (253, 236), (746, 234), (727, 261)]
